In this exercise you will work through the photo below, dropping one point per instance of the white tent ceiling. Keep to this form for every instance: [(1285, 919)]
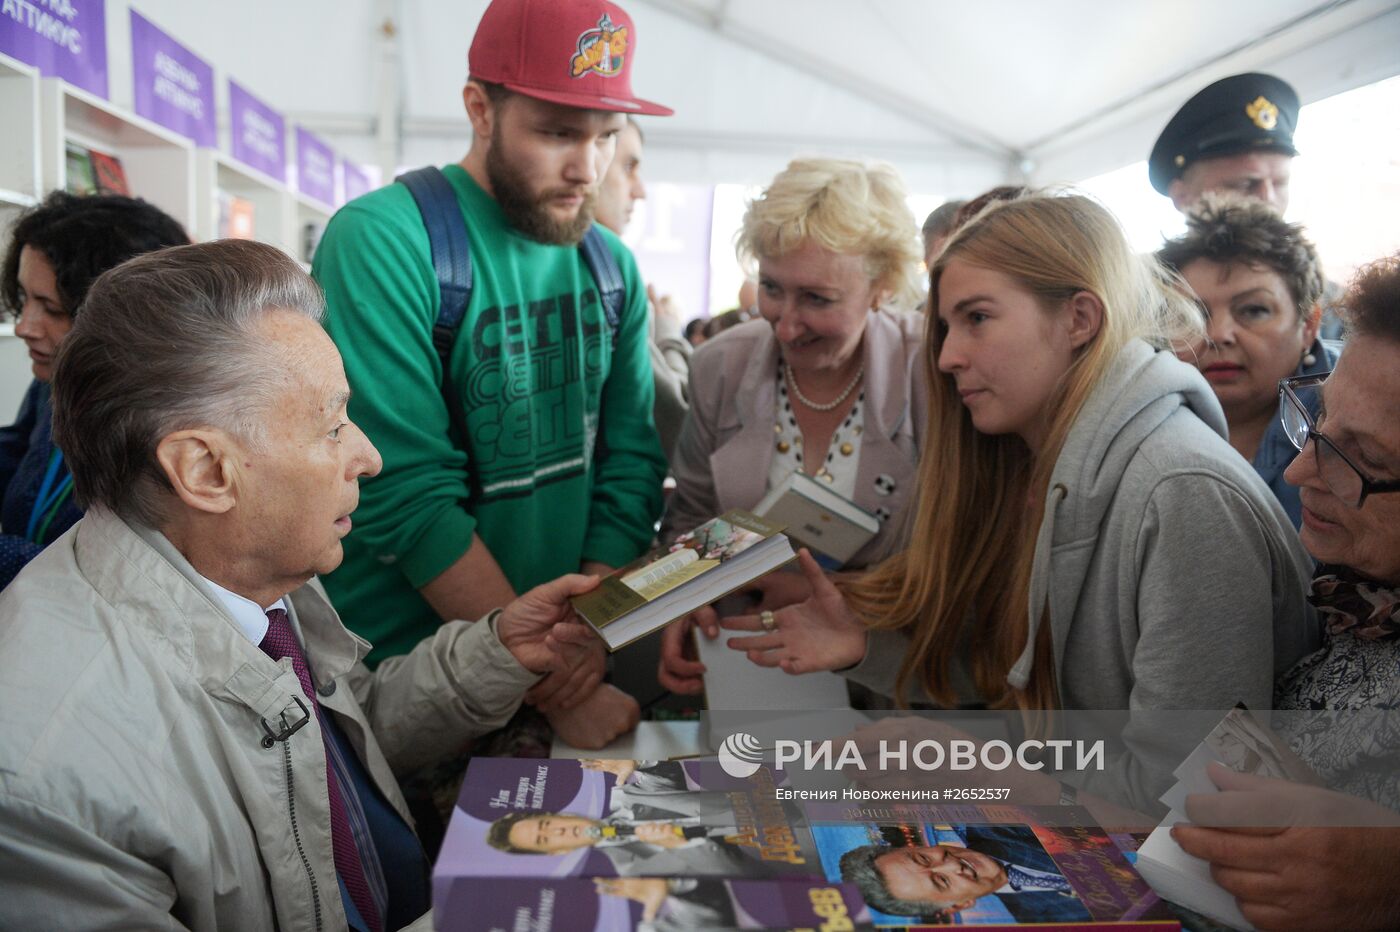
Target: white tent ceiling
[(959, 95)]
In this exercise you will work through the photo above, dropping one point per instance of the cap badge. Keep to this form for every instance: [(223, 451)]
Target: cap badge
[(601, 51), (1263, 113)]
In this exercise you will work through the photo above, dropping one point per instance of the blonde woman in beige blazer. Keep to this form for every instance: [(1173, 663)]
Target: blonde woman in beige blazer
[(829, 381)]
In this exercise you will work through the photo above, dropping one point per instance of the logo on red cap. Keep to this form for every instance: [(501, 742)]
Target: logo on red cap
[(601, 51)]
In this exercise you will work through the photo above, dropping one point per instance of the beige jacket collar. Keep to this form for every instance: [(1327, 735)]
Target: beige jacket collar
[(139, 570), (885, 410)]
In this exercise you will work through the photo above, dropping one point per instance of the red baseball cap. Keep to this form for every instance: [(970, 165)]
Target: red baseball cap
[(572, 52)]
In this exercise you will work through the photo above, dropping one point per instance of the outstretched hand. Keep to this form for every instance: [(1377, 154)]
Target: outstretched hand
[(818, 633)]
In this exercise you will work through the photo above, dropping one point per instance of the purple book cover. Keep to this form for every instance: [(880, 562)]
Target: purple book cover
[(613, 904), (982, 865), (519, 817)]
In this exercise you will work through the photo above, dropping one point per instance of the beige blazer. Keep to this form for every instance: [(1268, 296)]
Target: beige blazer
[(726, 446), (136, 791)]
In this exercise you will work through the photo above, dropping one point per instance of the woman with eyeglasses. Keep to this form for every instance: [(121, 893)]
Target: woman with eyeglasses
[(1258, 280), (1314, 874)]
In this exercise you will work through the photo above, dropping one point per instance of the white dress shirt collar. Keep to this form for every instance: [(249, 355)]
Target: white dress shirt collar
[(251, 619)]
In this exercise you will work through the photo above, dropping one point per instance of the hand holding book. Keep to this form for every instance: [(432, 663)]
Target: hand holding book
[(540, 625), (819, 633), (1294, 855), (580, 662)]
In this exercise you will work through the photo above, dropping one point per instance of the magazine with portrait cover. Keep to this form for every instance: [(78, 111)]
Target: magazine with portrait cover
[(526, 817), (985, 865), (655, 904)]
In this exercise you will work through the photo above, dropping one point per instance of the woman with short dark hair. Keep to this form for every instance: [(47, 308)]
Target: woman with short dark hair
[(1259, 281), (58, 249)]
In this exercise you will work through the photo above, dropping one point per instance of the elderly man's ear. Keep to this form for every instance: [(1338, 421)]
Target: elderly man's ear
[(202, 467)]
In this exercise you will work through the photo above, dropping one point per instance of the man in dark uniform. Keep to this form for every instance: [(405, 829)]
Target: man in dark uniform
[(1235, 135)]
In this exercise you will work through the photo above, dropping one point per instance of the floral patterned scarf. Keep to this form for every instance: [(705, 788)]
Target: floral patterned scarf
[(1350, 603)]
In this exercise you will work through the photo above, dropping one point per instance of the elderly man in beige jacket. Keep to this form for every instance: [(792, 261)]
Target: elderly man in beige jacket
[(188, 738)]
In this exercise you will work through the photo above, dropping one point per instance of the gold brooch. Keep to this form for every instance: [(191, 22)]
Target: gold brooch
[(1263, 113)]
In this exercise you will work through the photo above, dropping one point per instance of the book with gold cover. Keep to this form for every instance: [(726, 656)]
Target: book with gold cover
[(699, 567)]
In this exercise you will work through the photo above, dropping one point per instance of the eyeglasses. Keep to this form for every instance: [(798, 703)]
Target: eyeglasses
[(1297, 396)]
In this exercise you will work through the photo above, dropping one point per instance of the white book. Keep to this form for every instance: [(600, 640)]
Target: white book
[(818, 518), (1246, 745)]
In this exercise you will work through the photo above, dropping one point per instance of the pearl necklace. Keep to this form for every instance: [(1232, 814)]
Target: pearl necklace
[(831, 405)]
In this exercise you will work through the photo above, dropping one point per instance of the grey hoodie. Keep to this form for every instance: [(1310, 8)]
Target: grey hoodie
[(1173, 578)]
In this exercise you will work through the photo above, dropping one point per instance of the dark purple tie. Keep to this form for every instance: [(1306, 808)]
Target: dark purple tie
[(280, 642)]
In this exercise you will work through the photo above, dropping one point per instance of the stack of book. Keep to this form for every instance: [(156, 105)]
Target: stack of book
[(606, 845)]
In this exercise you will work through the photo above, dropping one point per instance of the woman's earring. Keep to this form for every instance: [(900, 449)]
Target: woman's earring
[(1309, 359)]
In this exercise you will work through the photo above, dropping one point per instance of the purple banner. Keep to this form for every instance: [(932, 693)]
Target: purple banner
[(258, 133), (315, 168), (62, 38), (172, 85), (357, 180)]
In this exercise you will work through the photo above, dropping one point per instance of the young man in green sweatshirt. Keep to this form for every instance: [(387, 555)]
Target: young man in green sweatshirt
[(560, 469)]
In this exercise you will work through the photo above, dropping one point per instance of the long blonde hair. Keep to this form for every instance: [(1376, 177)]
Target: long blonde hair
[(972, 545)]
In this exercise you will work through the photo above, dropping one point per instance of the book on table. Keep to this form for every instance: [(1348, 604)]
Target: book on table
[(699, 567), (557, 817), (519, 817), (561, 842), (833, 527), (621, 904), (984, 865)]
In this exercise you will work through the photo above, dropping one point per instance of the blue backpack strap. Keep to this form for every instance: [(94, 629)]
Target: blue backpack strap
[(452, 263), (607, 276)]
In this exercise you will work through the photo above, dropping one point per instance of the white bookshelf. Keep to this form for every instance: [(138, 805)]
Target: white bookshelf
[(41, 116), (159, 164), (306, 210), (20, 186), (217, 174)]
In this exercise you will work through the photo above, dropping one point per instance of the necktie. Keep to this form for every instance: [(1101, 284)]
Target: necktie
[(281, 642), (1023, 880)]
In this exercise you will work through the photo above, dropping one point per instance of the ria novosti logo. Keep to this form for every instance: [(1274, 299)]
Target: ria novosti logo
[(740, 755)]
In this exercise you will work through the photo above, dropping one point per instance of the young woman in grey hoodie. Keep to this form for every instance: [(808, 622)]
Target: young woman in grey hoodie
[(1085, 537)]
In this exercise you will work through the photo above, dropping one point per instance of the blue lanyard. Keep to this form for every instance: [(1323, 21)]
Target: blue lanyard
[(48, 493)]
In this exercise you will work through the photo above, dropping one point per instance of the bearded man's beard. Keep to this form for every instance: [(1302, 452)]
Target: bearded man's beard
[(529, 213)]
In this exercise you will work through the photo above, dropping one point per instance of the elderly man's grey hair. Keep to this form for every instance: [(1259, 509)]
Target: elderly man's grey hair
[(167, 341), (858, 867)]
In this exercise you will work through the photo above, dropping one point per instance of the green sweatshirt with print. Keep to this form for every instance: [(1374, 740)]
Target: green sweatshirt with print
[(562, 463)]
